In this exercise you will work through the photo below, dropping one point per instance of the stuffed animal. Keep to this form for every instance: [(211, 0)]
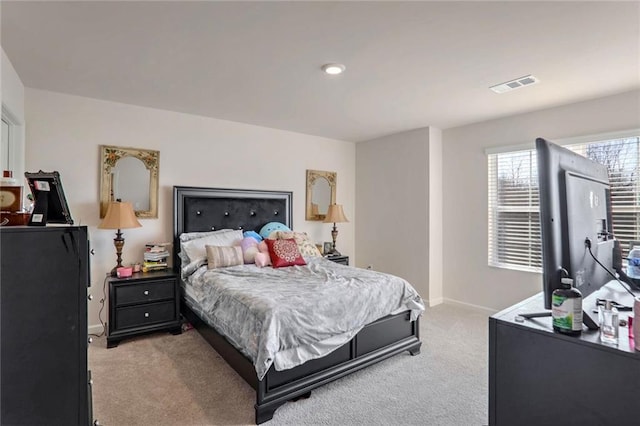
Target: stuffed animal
[(249, 247), (262, 258), (272, 226), (252, 234)]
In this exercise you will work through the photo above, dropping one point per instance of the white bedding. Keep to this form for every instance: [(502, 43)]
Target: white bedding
[(287, 316)]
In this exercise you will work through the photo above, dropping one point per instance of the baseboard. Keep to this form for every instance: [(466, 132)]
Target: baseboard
[(435, 302), (470, 305), (95, 329)]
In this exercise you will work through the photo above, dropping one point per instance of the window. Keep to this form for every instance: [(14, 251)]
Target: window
[(514, 221)]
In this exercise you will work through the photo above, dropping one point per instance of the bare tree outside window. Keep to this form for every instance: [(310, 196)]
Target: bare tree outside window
[(514, 219)]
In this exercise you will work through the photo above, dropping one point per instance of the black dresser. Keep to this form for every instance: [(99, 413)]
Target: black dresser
[(44, 277), (541, 377)]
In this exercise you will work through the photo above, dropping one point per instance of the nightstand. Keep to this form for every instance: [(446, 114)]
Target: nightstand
[(343, 260), (142, 303)]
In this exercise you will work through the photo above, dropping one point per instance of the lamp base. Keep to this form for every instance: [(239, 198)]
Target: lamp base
[(118, 241), (114, 271)]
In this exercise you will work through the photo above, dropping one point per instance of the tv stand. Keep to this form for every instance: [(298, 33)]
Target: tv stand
[(539, 377)]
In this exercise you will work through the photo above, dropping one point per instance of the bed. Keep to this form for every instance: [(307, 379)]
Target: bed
[(209, 209)]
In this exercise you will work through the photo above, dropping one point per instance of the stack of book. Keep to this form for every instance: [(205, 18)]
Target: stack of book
[(155, 256)]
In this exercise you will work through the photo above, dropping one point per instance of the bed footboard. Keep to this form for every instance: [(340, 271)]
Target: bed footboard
[(377, 341)]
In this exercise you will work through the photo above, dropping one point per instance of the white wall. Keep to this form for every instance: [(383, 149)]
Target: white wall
[(12, 95), (467, 277), (436, 261), (392, 222), (64, 133)]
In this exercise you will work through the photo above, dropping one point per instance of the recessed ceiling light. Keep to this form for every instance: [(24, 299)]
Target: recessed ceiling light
[(333, 69), (517, 83)]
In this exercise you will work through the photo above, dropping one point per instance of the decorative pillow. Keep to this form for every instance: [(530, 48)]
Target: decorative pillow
[(284, 253), (306, 247), (249, 249), (195, 250), (252, 234), (273, 226), (262, 257), (221, 256)]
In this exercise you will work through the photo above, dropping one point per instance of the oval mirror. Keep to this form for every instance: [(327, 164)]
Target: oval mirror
[(321, 192)]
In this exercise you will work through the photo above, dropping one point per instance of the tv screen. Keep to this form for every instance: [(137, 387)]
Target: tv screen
[(575, 207)]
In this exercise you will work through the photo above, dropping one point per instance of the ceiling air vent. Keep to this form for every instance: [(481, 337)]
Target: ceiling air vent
[(517, 83)]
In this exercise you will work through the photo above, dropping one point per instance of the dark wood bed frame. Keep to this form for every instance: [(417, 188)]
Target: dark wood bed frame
[(206, 209)]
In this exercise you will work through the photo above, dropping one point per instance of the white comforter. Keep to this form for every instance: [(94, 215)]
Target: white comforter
[(287, 316)]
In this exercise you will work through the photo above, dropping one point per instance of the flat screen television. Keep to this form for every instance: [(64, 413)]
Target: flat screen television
[(575, 211), (50, 203)]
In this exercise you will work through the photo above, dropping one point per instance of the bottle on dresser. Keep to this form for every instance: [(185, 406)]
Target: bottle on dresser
[(636, 322), (608, 323)]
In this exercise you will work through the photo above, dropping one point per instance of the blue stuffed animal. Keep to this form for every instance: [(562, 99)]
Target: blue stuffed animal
[(273, 226)]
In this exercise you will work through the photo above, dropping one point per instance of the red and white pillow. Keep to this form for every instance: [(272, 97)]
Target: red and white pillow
[(284, 252)]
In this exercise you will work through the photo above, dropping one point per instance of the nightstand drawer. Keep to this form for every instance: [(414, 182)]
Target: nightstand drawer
[(143, 292), (343, 260), (136, 316)]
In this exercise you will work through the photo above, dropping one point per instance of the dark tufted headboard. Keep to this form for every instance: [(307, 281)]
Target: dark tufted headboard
[(209, 209)]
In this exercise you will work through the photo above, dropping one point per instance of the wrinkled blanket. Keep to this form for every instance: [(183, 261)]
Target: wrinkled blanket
[(286, 316)]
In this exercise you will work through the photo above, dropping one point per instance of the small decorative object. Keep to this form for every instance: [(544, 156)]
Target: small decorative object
[(636, 322), (124, 272), (326, 248), (335, 215), (10, 193), (137, 267), (320, 248), (119, 216), (50, 202), (609, 325), (10, 201)]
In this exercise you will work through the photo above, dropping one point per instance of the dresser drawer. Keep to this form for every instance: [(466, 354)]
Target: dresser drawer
[(137, 316), (143, 292)]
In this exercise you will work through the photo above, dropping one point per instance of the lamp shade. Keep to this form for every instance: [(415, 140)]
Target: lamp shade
[(335, 214), (119, 215)]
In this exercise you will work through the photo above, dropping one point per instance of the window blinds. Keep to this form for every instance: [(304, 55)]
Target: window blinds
[(514, 224), (514, 221)]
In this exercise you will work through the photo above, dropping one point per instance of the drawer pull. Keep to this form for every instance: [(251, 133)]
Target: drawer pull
[(146, 314), (146, 292), (90, 340)]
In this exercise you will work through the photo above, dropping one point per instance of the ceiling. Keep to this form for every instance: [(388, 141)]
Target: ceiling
[(408, 64)]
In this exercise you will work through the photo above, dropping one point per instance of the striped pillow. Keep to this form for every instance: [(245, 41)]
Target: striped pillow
[(223, 256)]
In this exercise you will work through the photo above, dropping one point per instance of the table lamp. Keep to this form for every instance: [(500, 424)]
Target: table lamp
[(335, 215), (119, 216)]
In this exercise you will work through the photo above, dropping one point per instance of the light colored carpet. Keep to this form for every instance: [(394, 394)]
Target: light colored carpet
[(162, 379)]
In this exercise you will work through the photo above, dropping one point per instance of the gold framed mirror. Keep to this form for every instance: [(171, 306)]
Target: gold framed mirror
[(130, 174), (321, 192)]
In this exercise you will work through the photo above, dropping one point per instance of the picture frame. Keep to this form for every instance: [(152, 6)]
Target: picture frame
[(326, 248), (50, 202)]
